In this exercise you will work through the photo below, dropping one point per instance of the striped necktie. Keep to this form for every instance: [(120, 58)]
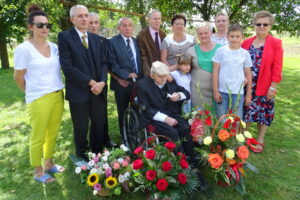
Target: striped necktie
[(84, 41), (131, 55)]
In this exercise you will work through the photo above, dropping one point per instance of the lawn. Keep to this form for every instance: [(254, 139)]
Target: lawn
[(279, 164)]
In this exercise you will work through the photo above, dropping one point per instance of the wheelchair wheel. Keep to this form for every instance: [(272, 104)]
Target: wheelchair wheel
[(132, 135)]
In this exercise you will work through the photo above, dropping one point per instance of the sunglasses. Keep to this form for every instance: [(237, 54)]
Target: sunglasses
[(42, 25), (260, 25)]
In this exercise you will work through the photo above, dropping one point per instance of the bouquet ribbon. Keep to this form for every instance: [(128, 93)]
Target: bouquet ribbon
[(235, 168)]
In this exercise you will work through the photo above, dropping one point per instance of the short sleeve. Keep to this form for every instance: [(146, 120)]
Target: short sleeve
[(248, 61), (218, 56), (21, 57), (164, 44)]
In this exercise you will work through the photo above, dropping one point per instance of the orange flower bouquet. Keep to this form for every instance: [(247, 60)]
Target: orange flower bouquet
[(225, 150)]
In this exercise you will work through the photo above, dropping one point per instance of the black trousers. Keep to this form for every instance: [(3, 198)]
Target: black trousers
[(179, 132), (122, 96), (85, 116)]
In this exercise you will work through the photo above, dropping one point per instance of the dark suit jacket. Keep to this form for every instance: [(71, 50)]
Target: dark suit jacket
[(75, 64), (155, 99), (120, 62), (149, 53)]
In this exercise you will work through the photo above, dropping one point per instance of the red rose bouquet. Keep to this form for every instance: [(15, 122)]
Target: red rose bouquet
[(161, 173)]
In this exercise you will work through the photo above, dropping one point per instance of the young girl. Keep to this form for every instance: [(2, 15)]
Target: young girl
[(182, 77), (231, 64)]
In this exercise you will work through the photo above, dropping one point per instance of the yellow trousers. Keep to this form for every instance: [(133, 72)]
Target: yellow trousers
[(45, 114)]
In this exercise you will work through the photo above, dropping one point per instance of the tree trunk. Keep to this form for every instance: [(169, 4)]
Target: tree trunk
[(4, 54), (143, 22)]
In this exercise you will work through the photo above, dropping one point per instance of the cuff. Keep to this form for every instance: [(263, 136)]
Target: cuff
[(160, 117)]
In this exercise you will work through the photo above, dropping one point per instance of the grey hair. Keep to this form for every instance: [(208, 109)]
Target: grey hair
[(122, 19), (205, 25), (221, 14), (94, 14), (151, 12), (72, 10)]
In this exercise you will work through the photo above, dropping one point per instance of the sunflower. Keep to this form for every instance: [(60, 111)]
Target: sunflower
[(111, 182), (92, 179)]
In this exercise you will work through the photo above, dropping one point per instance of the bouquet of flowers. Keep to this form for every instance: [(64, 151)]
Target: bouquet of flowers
[(107, 173), (225, 149), (161, 173)]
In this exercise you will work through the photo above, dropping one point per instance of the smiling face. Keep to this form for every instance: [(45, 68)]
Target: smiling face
[(204, 34), (260, 29), (94, 24), (155, 20), (221, 22), (81, 19), (126, 27), (39, 32), (178, 26)]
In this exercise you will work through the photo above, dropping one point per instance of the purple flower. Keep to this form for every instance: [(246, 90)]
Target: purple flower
[(97, 187), (108, 172), (96, 159)]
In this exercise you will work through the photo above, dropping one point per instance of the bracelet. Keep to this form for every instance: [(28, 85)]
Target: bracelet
[(271, 88)]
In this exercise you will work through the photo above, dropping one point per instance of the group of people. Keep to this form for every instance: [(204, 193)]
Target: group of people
[(168, 69)]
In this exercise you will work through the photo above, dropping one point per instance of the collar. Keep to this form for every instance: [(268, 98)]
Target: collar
[(125, 38), (81, 33), (152, 31)]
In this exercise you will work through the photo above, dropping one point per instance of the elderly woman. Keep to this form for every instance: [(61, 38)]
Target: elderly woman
[(175, 45), (221, 23), (37, 73), (202, 66), (266, 54)]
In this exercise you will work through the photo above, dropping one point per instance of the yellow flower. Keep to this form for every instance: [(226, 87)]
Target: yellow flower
[(207, 140), (229, 154), (247, 134), (231, 119), (243, 124), (240, 137), (111, 182), (92, 179)]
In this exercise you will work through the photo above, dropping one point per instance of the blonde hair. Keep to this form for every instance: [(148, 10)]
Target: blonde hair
[(221, 14), (262, 14), (205, 25)]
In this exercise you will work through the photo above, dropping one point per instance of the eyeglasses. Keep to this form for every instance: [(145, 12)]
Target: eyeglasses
[(42, 25), (260, 25)]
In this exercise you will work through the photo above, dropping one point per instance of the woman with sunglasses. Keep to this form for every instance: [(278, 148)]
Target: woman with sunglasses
[(37, 73), (267, 55)]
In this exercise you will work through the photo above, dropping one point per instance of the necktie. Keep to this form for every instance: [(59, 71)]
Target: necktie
[(131, 55), (84, 41), (156, 41)]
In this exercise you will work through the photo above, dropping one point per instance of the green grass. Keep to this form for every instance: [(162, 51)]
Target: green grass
[(279, 164)]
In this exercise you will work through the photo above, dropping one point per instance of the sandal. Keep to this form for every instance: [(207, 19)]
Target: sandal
[(55, 169), (257, 150), (44, 179)]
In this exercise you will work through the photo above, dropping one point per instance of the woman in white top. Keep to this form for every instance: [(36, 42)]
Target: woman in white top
[(175, 45), (222, 23), (37, 73)]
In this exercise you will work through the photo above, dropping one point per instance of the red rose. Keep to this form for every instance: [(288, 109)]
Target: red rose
[(138, 150), (227, 124), (170, 145), (137, 164), (206, 112), (150, 128), (150, 175), (184, 164), (208, 121), (181, 155), (162, 184), (150, 154), (182, 178), (151, 141), (166, 166)]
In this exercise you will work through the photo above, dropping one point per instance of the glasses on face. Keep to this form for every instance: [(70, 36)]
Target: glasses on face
[(179, 24), (260, 25), (42, 25)]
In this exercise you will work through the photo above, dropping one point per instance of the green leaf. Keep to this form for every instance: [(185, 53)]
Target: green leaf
[(251, 167)]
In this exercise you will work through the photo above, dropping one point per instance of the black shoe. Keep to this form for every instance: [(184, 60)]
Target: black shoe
[(202, 186), (110, 144)]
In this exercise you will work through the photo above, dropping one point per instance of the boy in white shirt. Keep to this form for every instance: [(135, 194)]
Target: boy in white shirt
[(231, 65), (182, 77)]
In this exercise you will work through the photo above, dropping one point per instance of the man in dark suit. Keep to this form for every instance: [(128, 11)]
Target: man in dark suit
[(125, 67), (163, 102), (85, 69), (149, 40)]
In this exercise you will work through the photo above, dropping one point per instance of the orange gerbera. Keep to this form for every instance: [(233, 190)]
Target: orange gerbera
[(230, 161), (243, 152), (215, 160), (223, 135)]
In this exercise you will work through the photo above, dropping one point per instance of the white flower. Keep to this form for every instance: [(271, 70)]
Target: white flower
[(207, 140), (99, 171), (93, 155), (194, 113), (231, 119), (243, 124), (104, 158), (95, 192), (247, 134), (127, 175), (124, 147), (120, 160), (190, 121), (91, 163), (105, 166), (93, 171), (121, 179), (240, 137), (106, 153), (229, 154), (78, 170)]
